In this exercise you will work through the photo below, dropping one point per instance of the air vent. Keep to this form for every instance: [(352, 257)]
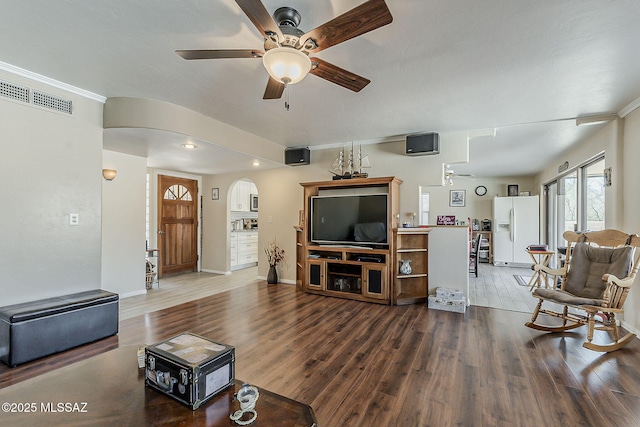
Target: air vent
[(12, 91), (52, 102)]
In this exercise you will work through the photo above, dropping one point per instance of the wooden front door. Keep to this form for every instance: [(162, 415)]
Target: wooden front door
[(177, 224)]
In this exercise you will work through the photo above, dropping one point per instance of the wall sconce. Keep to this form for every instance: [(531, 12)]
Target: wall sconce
[(109, 174)]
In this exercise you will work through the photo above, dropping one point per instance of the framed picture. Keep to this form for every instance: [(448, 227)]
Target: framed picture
[(512, 190), (215, 193), (456, 198)]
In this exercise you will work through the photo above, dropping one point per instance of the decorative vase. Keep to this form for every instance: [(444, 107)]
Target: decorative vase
[(272, 276), (405, 268)]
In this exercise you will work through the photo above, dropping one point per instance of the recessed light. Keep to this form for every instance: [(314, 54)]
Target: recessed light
[(190, 146), (256, 163)]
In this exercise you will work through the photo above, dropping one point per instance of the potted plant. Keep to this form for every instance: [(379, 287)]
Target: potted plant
[(275, 255)]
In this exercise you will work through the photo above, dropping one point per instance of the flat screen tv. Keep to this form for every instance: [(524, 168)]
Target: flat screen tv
[(351, 219)]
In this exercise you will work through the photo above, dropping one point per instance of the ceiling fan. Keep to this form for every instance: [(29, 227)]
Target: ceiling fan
[(287, 48), (449, 174)]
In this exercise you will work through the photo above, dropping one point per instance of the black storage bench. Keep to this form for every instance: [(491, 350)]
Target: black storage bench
[(35, 329)]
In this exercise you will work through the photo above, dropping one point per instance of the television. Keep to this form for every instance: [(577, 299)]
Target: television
[(350, 219)]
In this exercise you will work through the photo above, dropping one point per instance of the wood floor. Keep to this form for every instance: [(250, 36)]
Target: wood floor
[(360, 364)]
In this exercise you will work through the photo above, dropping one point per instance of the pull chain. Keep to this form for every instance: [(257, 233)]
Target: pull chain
[(286, 97)]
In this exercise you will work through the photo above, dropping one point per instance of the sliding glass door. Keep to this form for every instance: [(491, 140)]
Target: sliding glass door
[(575, 201), (594, 196), (568, 197)]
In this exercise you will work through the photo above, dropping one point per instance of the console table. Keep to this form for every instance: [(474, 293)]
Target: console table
[(109, 389)]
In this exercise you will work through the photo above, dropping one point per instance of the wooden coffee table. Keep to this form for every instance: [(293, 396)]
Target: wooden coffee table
[(109, 389)]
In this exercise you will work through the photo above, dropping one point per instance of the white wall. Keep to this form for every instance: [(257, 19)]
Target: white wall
[(123, 224), (281, 198), (50, 167), (280, 201), (449, 259), (627, 182)]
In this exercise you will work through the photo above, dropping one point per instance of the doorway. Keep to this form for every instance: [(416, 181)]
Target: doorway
[(243, 212), (177, 224)]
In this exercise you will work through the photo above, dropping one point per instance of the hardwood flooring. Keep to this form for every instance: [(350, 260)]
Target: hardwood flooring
[(360, 364)]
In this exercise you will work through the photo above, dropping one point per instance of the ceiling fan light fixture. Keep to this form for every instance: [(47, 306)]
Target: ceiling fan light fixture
[(286, 64)]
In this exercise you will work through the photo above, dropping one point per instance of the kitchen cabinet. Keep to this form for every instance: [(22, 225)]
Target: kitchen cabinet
[(243, 249), (241, 196)]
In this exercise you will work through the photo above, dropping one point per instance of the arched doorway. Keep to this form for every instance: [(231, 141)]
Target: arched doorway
[(243, 212)]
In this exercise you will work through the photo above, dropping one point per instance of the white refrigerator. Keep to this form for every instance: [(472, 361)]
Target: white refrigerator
[(516, 225)]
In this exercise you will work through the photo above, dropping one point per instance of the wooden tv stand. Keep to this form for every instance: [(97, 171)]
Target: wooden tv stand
[(365, 273), (348, 272)]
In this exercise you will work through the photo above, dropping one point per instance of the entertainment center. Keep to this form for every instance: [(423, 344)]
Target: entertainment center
[(348, 244)]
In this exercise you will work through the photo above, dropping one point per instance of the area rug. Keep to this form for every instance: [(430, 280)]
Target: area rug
[(522, 280)]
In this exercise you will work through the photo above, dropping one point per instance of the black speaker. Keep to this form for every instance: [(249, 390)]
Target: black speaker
[(422, 144), (297, 156)]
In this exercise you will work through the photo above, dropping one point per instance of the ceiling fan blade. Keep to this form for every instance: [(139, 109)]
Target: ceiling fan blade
[(256, 12), (274, 89), (220, 53), (338, 75), (359, 20)]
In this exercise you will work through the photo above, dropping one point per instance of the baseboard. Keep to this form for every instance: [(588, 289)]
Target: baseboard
[(132, 294), (284, 281), (630, 328), (215, 271), (511, 264)]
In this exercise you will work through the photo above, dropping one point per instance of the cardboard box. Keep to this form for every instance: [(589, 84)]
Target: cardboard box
[(189, 368)]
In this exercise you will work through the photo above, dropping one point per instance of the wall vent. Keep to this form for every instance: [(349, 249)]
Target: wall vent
[(52, 102), (9, 90)]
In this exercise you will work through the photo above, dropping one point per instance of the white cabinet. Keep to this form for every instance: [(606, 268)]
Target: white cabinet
[(241, 196), (233, 249), (244, 248)]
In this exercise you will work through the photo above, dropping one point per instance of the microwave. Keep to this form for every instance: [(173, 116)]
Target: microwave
[(254, 202)]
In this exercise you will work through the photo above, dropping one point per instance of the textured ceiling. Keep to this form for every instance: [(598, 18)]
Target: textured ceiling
[(441, 65)]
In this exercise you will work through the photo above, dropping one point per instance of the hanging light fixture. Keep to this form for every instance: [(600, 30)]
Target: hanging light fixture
[(286, 64)]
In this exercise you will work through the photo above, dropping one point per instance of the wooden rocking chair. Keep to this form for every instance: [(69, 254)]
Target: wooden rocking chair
[(599, 269)]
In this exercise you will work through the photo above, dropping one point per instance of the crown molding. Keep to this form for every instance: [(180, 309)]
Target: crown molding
[(629, 108), (51, 82)]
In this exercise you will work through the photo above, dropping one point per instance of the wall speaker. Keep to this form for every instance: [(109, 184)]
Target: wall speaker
[(297, 156), (423, 144)]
